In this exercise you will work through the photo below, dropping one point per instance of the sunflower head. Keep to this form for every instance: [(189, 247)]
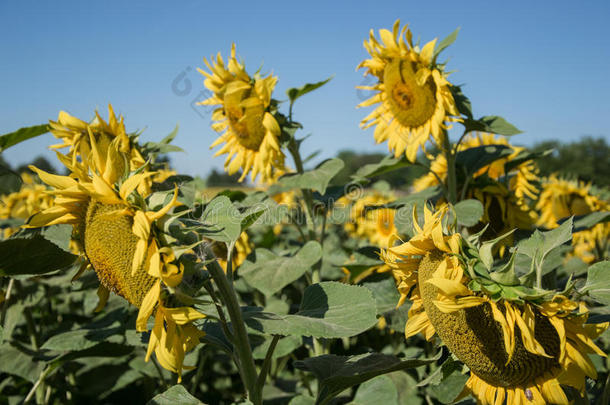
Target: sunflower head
[(413, 96), (514, 348), (243, 117)]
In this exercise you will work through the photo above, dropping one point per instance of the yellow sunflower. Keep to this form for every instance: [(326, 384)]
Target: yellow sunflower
[(74, 133), (521, 180), (561, 198), (518, 352), (247, 128), (413, 96), (22, 204), (376, 225), (119, 238)]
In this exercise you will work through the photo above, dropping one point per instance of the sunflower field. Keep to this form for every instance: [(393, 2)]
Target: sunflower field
[(123, 281)]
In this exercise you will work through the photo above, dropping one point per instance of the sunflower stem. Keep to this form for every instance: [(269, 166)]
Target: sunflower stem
[(262, 376), (241, 341), (451, 177)]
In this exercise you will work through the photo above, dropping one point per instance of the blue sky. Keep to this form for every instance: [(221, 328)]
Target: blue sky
[(542, 65)]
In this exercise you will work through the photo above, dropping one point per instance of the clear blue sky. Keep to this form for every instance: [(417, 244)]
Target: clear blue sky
[(543, 65)]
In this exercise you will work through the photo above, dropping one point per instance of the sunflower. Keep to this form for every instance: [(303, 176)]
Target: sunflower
[(119, 239), (522, 180), (372, 223), (247, 128), (74, 133), (516, 351), (413, 96), (561, 198), (30, 198)]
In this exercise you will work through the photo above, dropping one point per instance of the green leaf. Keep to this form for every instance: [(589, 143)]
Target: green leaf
[(468, 212), (15, 362), (462, 102), (328, 310), (588, 221), (493, 124), (316, 179), (82, 339), (385, 294), (35, 255), (337, 373), (387, 164), (296, 92), (473, 159), (22, 134), (598, 282), (284, 347), (176, 394), (445, 43), (302, 400), (540, 244), (380, 389), (486, 249), (270, 273), (222, 220), (449, 388), (170, 137), (523, 157)]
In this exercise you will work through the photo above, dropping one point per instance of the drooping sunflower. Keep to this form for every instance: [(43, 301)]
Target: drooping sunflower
[(74, 133), (119, 238), (520, 352), (560, 199), (413, 99), (30, 198), (247, 128), (376, 225), (521, 180)]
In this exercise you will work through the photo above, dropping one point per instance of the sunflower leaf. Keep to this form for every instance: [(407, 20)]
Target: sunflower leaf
[(35, 255), (176, 394), (491, 123), (22, 134), (296, 92), (598, 282), (316, 179), (269, 273), (328, 310), (468, 212), (221, 220), (473, 159), (449, 39), (338, 373)]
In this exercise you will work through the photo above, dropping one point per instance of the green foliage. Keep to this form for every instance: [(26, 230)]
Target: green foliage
[(294, 93), (176, 394), (585, 159), (269, 273), (316, 179), (22, 134), (598, 282), (328, 310), (36, 255), (337, 373), (468, 212), (493, 124)]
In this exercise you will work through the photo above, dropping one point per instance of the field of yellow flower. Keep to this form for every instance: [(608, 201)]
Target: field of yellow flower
[(123, 281)]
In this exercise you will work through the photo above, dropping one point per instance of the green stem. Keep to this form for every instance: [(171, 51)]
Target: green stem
[(293, 148), (262, 376), (241, 341), (451, 177)]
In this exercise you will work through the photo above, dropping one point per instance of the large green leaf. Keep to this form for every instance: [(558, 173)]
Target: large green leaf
[(337, 373), (387, 164), (380, 389), (16, 362), (598, 282), (22, 134), (328, 310), (269, 272), (9, 180), (468, 212), (588, 221), (222, 220), (296, 92), (316, 179), (35, 255), (175, 395), (493, 124)]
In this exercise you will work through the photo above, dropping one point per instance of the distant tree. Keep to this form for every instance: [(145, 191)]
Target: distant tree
[(354, 161), (221, 179), (587, 159), (40, 162)]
